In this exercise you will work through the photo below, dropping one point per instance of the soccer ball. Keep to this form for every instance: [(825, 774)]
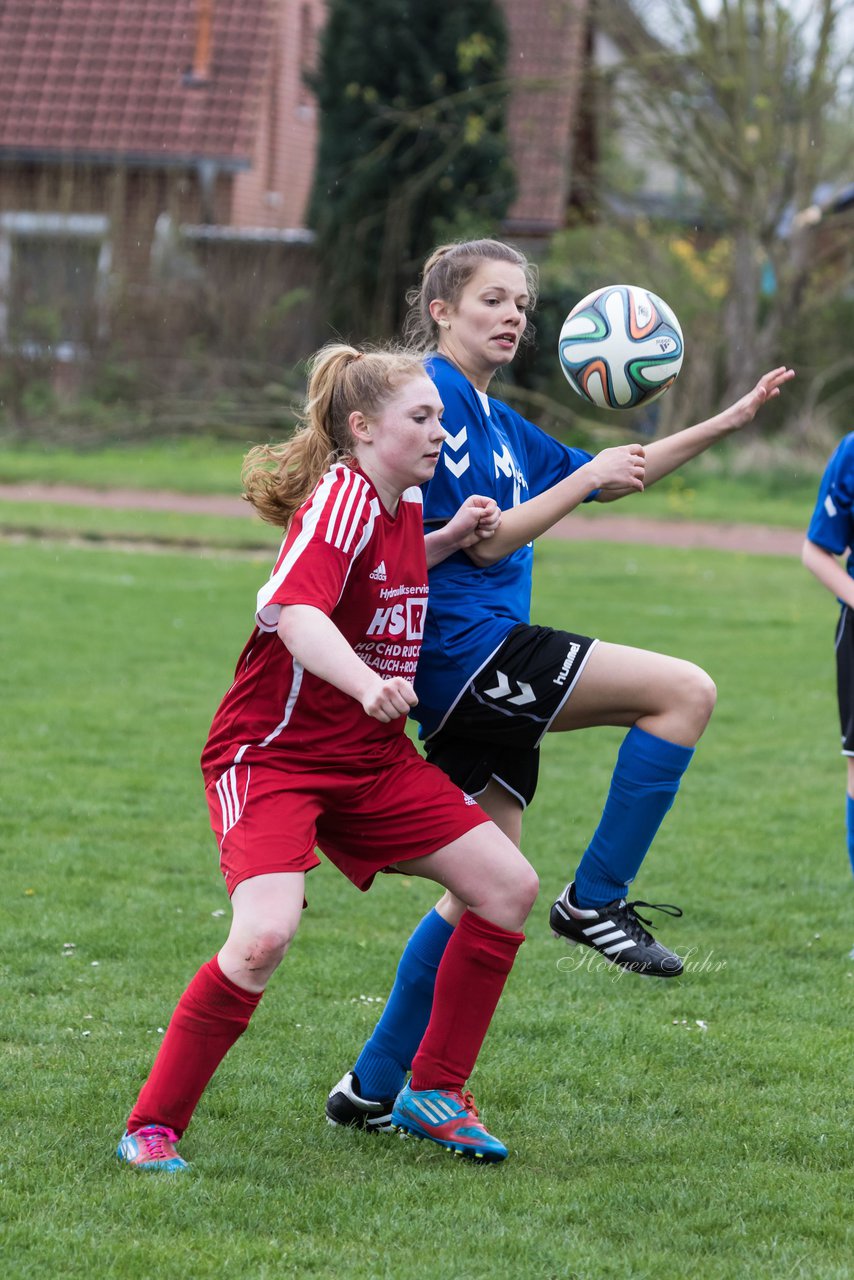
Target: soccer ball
[(620, 347)]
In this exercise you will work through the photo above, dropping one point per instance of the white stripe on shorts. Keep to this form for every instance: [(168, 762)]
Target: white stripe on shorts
[(230, 803)]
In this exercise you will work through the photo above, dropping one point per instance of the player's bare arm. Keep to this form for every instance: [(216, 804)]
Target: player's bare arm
[(667, 455), (621, 468), (829, 571), (318, 645)]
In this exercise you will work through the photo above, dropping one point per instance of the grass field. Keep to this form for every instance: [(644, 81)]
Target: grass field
[(697, 1128), (195, 464), (710, 488)]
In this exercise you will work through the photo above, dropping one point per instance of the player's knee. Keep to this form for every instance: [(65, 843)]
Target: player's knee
[(264, 948), (705, 694), (528, 889), (697, 694), (519, 892)]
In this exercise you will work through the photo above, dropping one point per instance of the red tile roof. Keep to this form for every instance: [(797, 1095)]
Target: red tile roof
[(106, 79)]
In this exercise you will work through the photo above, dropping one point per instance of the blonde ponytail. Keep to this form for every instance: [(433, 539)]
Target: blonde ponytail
[(277, 479)]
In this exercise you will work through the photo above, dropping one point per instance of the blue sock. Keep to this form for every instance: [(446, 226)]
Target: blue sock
[(849, 816), (383, 1063), (643, 787)]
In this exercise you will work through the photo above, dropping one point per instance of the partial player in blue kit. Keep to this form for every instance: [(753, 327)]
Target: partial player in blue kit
[(829, 536), (490, 684)]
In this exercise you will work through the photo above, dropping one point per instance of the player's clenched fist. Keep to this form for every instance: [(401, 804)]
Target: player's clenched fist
[(621, 467), (476, 519), (389, 699), (489, 515)]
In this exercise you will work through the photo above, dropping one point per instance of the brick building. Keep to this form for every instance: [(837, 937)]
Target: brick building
[(115, 112), (123, 119)]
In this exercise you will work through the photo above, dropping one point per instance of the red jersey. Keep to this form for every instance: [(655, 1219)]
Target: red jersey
[(367, 570)]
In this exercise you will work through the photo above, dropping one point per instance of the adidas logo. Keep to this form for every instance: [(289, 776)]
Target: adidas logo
[(379, 574)]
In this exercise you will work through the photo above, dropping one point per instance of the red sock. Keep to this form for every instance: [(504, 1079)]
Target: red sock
[(211, 1014), (470, 980)]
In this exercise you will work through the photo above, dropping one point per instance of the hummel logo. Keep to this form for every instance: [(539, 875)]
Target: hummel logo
[(503, 689), (379, 574), (455, 443), (571, 655)]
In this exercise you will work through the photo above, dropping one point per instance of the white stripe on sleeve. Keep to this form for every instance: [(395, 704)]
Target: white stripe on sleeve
[(339, 499), (267, 615), (349, 519)]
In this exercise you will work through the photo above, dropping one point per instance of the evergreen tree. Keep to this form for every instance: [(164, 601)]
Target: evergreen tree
[(412, 148)]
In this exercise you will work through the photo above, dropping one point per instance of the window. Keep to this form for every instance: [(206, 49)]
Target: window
[(53, 273)]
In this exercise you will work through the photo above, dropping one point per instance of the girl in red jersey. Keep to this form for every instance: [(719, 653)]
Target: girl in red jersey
[(308, 748)]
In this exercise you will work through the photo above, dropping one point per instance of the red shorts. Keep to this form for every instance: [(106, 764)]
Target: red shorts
[(269, 819)]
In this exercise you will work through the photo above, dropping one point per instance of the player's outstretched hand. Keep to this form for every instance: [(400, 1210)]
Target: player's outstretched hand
[(620, 468), (478, 518), (767, 388), (389, 700)]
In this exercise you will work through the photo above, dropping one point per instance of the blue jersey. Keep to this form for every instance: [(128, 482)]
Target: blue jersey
[(832, 523), (491, 450)]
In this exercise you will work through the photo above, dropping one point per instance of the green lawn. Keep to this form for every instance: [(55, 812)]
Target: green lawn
[(131, 525), (710, 488), (193, 464), (643, 1144)]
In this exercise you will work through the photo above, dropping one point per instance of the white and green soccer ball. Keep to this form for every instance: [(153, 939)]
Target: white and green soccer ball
[(621, 347)]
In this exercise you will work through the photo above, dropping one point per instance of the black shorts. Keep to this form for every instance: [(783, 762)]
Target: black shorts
[(845, 678), (495, 727)]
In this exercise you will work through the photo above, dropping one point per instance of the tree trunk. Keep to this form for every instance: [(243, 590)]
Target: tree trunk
[(741, 317)]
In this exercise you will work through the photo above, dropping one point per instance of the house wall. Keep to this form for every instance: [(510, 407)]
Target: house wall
[(275, 191), (69, 279), (60, 189), (132, 200)]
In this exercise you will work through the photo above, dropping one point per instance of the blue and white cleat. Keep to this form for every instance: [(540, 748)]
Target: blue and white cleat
[(346, 1106), (448, 1117), (151, 1148)]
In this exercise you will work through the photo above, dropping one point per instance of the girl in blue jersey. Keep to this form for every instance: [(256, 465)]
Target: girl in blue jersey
[(490, 684), (830, 535)]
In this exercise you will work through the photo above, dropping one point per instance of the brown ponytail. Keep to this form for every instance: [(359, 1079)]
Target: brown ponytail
[(277, 479)]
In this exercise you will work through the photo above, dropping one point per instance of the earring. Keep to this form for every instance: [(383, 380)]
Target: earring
[(445, 324)]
